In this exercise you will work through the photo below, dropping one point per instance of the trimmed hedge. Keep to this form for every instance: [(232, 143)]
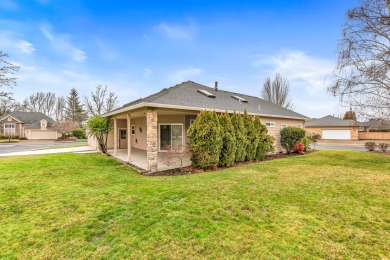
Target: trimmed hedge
[(223, 140), (9, 137)]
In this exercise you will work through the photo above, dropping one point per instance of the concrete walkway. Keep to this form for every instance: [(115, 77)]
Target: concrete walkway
[(81, 149)]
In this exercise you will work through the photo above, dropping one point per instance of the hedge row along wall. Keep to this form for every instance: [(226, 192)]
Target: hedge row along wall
[(223, 140)]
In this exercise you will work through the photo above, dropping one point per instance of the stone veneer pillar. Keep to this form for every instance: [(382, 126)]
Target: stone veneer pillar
[(151, 139)]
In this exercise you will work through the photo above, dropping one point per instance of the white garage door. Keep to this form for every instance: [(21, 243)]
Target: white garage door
[(336, 134), (36, 135)]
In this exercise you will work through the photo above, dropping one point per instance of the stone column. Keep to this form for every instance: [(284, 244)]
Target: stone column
[(128, 138), (151, 139), (115, 136)]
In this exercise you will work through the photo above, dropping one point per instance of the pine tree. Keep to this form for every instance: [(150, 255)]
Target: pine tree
[(228, 152), (251, 137), (205, 140), (239, 128), (74, 109)]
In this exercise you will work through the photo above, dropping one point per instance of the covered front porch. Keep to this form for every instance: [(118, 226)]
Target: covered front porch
[(164, 160), (153, 139)]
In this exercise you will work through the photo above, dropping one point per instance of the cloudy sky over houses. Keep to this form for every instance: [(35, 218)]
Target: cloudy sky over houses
[(139, 47)]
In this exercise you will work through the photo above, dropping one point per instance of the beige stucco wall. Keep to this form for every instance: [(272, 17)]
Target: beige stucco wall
[(318, 130), (275, 131)]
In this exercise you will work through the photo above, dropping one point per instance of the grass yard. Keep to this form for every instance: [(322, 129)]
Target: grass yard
[(329, 204)]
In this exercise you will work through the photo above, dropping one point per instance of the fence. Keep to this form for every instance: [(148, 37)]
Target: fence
[(374, 136)]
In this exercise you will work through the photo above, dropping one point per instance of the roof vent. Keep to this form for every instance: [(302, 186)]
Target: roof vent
[(240, 99), (206, 93)]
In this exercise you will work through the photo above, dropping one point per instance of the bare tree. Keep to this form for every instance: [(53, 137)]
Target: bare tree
[(41, 102), (7, 72), (277, 91), (60, 110), (7, 104), (65, 128), (361, 76), (100, 101)]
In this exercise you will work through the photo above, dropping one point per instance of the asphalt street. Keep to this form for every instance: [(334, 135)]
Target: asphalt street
[(20, 147), (332, 146)]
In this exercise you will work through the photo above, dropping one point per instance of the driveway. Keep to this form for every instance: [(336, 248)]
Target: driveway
[(28, 145)]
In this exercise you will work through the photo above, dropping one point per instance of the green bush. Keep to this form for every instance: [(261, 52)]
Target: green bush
[(9, 137), (252, 138), (290, 136), (239, 128), (228, 152), (78, 133), (306, 142), (265, 141), (205, 140)]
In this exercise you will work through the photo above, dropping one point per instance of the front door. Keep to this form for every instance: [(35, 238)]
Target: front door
[(122, 139)]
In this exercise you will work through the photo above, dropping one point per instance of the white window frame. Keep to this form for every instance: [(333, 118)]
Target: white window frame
[(159, 135), (283, 126), (271, 124), (7, 129), (132, 129)]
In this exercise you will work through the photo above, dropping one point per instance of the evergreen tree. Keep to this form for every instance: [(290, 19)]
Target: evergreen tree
[(239, 128), (74, 109), (205, 140), (251, 137), (265, 141), (228, 152)]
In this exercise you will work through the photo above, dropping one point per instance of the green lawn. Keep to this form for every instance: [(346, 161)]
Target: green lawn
[(329, 204)]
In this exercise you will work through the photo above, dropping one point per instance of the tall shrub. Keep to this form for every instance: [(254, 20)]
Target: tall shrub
[(205, 140), (265, 141), (99, 127), (251, 137), (229, 148), (290, 136), (239, 128)]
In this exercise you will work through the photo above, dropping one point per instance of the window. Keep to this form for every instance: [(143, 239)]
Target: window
[(171, 135), (9, 119), (299, 126), (133, 130), (122, 134), (283, 126), (43, 124), (240, 99), (270, 124), (192, 121), (9, 129)]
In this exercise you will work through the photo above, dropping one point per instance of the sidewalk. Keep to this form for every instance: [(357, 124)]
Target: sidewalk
[(82, 149)]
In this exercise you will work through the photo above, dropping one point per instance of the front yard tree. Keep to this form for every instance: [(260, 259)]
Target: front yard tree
[(239, 128), (7, 73), (290, 136), (99, 128), (65, 128), (361, 76), (251, 137), (205, 140), (100, 101), (229, 143), (277, 91), (74, 109)]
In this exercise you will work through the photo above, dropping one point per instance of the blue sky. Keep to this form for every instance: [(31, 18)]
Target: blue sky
[(139, 47)]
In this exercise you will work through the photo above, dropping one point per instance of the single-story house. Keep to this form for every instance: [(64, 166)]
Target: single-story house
[(144, 127), (32, 125), (333, 128)]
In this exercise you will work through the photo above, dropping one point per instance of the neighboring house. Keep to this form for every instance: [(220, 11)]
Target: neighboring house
[(144, 127), (32, 125), (333, 128)]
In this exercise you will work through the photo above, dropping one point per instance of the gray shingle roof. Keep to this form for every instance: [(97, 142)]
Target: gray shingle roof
[(30, 118), (186, 95), (331, 121)]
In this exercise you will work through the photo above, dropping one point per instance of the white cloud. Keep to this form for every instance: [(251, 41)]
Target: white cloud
[(11, 42), (184, 75), (62, 44), (301, 70), (177, 31)]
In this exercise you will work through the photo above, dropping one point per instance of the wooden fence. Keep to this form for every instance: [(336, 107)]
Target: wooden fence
[(374, 135)]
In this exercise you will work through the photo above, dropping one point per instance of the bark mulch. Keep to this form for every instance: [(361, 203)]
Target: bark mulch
[(193, 170)]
